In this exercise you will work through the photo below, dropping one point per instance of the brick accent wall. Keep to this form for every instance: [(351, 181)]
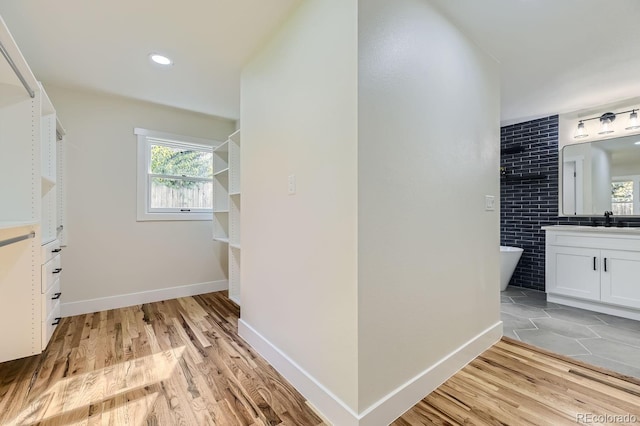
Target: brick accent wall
[(529, 195)]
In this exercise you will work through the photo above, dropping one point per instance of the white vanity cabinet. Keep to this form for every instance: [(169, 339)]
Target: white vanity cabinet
[(620, 279), (594, 268), (573, 271)]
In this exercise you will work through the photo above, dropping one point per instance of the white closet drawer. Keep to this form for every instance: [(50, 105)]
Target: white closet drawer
[(50, 324), (50, 250), (50, 299), (50, 273)]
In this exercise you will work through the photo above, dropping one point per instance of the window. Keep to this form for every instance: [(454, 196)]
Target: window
[(624, 195), (175, 177)]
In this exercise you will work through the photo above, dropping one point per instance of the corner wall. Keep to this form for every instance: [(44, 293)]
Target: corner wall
[(111, 259), (353, 287), (428, 143)]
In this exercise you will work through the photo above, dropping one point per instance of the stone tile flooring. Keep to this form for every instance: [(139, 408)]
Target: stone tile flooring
[(599, 339)]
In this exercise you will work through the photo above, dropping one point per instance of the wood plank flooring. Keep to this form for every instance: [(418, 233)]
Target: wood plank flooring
[(181, 362), (178, 362), (516, 384)]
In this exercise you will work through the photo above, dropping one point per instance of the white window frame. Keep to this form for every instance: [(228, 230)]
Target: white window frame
[(145, 139)]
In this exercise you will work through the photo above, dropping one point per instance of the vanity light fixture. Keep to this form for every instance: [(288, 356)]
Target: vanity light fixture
[(160, 59), (606, 121), (633, 121), (581, 132)]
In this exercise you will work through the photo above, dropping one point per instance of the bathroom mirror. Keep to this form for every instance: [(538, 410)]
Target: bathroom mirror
[(601, 176)]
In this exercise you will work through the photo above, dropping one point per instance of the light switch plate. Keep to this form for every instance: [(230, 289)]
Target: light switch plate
[(489, 203)]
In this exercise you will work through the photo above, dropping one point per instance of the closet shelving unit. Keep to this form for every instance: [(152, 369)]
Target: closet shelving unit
[(234, 217), (30, 302), (226, 206), (221, 192)]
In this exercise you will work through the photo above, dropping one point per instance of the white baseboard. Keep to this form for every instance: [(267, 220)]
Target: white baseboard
[(123, 300), (388, 408), (321, 398), (618, 311), (393, 405)]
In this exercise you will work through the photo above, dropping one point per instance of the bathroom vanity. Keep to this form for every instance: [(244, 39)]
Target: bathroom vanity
[(595, 268)]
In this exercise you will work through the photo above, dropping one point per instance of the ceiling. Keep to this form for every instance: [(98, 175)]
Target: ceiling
[(103, 45), (555, 55)]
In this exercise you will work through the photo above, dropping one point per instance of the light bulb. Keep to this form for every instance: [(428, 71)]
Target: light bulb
[(580, 131), (607, 120), (633, 121)]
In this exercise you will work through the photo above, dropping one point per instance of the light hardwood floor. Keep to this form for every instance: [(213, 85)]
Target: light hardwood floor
[(181, 362)]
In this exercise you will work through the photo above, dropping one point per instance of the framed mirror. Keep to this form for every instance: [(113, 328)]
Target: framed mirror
[(601, 176)]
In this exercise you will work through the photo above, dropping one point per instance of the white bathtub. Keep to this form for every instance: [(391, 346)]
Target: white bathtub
[(509, 258)]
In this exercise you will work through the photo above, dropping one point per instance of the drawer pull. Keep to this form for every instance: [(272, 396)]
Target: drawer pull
[(56, 271), (56, 321), (58, 250), (56, 296)]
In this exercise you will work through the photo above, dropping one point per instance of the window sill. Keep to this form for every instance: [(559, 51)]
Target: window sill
[(151, 217)]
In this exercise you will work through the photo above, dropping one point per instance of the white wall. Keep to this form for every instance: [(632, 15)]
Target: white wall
[(109, 253), (298, 112), (384, 264), (428, 154)]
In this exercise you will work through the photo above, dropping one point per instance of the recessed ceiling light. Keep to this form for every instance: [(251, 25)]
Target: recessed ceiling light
[(160, 59), (637, 143)]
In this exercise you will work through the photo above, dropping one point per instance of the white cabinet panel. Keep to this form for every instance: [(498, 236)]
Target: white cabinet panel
[(50, 324), (621, 278), (594, 268), (573, 271)]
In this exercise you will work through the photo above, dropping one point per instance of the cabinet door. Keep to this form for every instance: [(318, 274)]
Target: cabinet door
[(573, 271), (621, 278)]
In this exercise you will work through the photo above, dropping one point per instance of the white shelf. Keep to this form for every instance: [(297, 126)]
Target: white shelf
[(221, 157), (223, 147), (17, 224), (234, 163), (234, 274), (234, 221), (226, 199)]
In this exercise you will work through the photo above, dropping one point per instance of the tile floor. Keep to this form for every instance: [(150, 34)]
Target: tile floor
[(600, 339)]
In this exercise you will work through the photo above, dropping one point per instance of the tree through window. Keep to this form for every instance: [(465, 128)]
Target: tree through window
[(175, 178)]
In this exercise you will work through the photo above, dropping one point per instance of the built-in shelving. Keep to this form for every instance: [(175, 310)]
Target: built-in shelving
[(29, 188), (221, 226), (226, 206)]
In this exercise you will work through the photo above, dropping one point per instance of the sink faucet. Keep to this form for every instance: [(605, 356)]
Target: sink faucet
[(607, 218)]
